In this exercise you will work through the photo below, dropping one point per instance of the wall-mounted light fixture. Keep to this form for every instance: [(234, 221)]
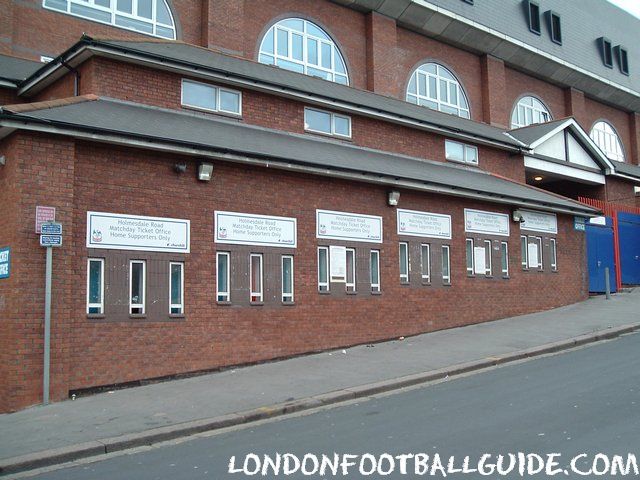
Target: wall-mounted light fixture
[(205, 171), (636, 191), (537, 178), (2, 160), (394, 198), (180, 167), (517, 216)]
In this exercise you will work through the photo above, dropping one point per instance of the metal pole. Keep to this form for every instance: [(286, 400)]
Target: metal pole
[(47, 326), (607, 283)]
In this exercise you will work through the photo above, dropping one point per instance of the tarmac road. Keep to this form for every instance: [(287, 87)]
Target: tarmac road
[(583, 401)]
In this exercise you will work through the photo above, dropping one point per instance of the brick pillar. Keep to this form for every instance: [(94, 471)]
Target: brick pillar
[(574, 106), (382, 72), (494, 108), (223, 25), (43, 170), (634, 127), (6, 26)]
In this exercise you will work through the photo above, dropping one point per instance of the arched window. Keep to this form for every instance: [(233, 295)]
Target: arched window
[(529, 110), (301, 46), (146, 16), (605, 136), (433, 86)]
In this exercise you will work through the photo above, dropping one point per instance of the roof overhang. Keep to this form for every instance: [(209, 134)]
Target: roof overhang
[(87, 47), (447, 26), (10, 122)]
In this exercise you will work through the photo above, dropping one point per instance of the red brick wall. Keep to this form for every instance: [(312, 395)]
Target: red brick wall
[(519, 84), (8, 97), (38, 31), (595, 111), (97, 352), (621, 191), (39, 171)]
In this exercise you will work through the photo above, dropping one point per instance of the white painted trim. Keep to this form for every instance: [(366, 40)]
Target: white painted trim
[(567, 170)]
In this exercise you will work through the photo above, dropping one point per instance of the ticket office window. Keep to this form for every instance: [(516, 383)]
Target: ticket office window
[(539, 253), (487, 257), (127, 285), (424, 262), (254, 277), (356, 271)]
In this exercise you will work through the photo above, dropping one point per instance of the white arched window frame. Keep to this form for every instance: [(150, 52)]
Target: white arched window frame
[(432, 85), (301, 46), (529, 110), (152, 17), (605, 136)]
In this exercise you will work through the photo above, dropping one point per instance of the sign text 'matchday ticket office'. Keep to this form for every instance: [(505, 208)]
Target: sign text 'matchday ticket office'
[(244, 239)]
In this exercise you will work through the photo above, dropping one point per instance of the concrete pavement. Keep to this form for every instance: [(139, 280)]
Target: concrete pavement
[(113, 421)]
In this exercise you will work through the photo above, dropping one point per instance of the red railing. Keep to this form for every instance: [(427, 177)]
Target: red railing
[(611, 209)]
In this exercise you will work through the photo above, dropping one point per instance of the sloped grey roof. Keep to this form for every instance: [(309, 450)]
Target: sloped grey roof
[(627, 169), (530, 134), (17, 69), (257, 73), (200, 131)]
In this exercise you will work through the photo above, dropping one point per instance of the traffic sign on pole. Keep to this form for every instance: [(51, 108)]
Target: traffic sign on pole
[(50, 240), (51, 228)]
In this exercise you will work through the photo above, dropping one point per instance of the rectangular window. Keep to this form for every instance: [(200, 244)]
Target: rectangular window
[(446, 265), (606, 51), (404, 262), (351, 270), (460, 152), (524, 251), (213, 99), (222, 277), (374, 270), (623, 59), (554, 255), (470, 261), (534, 253), (255, 274), (533, 11), (504, 256), (323, 269), (287, 279), (555, 27), (176, 288), (319, 121), (95, 286), (137, 286), (487, 258), (425, 262)]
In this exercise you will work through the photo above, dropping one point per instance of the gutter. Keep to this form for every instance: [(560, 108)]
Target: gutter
[(153, 143), (143, 58)]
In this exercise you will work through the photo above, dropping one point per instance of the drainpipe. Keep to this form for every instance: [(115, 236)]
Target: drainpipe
[(76, 81)]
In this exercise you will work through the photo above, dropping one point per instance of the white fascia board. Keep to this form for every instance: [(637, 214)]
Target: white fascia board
[(552, 133), (565, 171)]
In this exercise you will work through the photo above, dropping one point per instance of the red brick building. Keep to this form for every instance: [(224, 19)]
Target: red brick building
[(218, 210)]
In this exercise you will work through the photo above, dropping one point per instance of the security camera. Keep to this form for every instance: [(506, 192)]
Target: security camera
[(180, 167), (518, 217)]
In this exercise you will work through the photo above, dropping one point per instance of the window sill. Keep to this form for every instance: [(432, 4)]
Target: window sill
[(446, 284), (404, 282), (426, 283), (176, 315), (223, 302), (329, 135), (137, 315), (471, 275), (288, 304), (235, 116), (506, 277), (96, 316), (324, 292), (256, 304), (376, 292), (351, 292)]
